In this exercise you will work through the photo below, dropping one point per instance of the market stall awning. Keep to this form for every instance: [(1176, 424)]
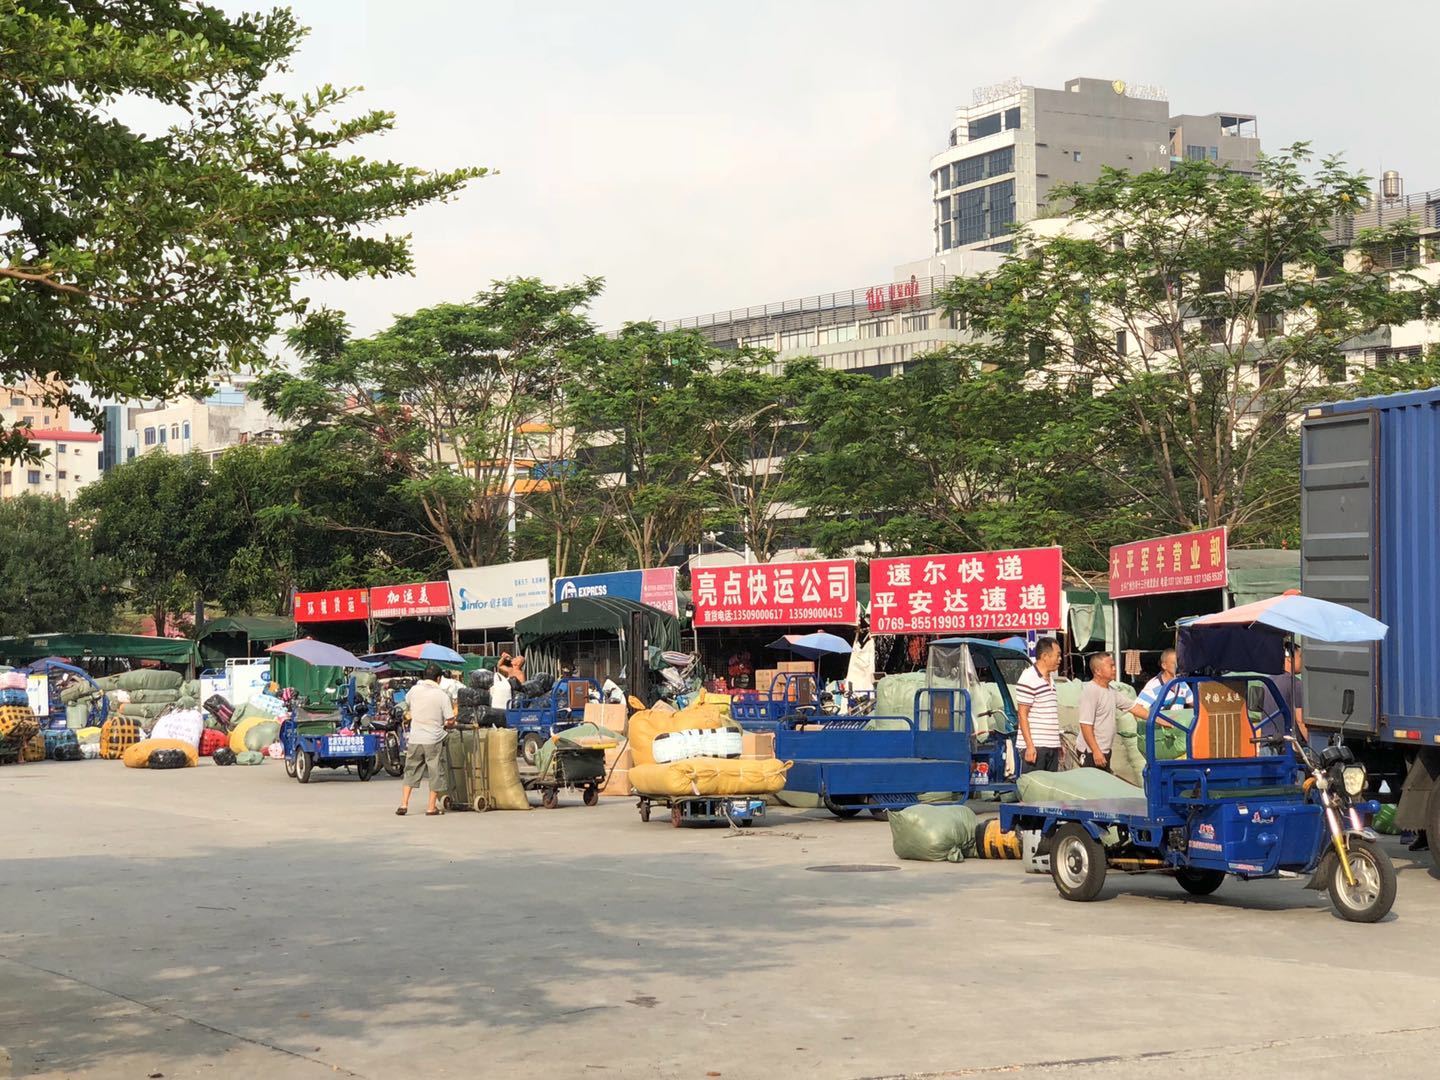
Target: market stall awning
[(236, 636), (72, 646), (610, 614)]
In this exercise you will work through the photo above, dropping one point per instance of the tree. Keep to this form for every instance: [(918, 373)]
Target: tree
[(456, 400), (50, 576), (1204, 307), (138, 262), (947, 457), (643, 410)]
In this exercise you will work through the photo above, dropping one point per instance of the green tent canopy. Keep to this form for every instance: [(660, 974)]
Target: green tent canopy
[(240, 636), (176, 651), (538, 636)]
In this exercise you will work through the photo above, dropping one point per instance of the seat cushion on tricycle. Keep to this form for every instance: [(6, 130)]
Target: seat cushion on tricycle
[(1074, 785), (710, 776)]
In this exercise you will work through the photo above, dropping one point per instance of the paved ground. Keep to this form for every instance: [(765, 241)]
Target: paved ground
[(232, 923)]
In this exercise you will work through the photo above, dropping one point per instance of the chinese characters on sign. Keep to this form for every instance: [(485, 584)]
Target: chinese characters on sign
[(1166, 564), (408, 601), (336, 605), (981, 592), (898, 295), (775, 594)]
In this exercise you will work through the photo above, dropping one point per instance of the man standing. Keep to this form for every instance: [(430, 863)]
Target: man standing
[(1098, 702), (1039, 709), (430, 714), (1292, 689)]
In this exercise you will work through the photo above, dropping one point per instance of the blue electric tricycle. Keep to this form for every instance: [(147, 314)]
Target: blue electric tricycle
[(329, 740), (536, 719), (1245, 799)]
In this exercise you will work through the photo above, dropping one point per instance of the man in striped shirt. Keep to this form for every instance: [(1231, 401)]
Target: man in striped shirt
[(1039, 710)]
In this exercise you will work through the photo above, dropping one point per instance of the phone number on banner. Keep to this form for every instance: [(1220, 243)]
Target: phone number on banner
[(988, 621), (792, 615)]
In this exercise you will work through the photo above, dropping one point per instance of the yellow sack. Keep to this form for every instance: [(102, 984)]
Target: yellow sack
[(506, 792), (116, 734), (137, 755), (17, 722), (88, 734), (710, 776), (994, 843), (644, 726), (237, 734)]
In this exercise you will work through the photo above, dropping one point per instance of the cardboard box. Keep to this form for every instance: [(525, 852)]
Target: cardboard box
[(607, 715), (757, 744), (797, 667), (618, 784), (618, 759)]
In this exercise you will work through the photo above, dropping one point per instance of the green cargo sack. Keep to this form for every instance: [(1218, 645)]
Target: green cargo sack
[(262, 735), (151, 679), (249, 757), (1074, 785), (933, 833), (153, 697)]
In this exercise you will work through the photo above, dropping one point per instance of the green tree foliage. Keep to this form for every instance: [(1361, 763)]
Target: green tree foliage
[(50, 576), (138, 258), (1205, 307), (447, 399)]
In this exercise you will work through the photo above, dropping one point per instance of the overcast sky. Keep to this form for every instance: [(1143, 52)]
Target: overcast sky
[(700, 157)]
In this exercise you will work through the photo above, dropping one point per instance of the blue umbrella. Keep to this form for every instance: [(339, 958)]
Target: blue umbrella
[(812, 646), (1292, 613), (319, 653), (426, 651)]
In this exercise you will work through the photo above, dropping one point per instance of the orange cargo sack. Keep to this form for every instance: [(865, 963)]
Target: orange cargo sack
[(116, 734)]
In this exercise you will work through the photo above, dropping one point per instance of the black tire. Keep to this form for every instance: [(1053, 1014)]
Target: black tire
[(1199, 882), (550, 797), (365, 768), (479, 804), (1077, 863), (745, 823), (394, 757), (446, 803), (1373, 894), (290, 763), (592, 796), (844, 811), (676, 816), (879, 813), (304, 765), (644, 810), (529, 747)]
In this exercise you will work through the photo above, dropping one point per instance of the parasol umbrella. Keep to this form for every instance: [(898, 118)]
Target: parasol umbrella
[(425, 651), (811, 646), (1294, 613), (319, 653)]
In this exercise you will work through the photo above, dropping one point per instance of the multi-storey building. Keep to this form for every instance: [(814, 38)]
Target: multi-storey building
[(228, 417), (1015, 143), (71, 459)]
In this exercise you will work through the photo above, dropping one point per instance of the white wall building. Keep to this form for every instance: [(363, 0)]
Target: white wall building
[(227, 418)]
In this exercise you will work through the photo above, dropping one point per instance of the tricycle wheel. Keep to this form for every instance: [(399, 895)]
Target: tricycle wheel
[(1371, 897), (394, 757), (304, 765), (290, 762), (879, 813), (365, 768), (1199, 882), (676, 815), (446, 804), (550, 797), (842, 810), (644, 806), (1077, 863), (592, 795), (529, 747), (479, 805)]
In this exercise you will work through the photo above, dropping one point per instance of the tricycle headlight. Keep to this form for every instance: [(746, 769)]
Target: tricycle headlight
[(1354, 780)]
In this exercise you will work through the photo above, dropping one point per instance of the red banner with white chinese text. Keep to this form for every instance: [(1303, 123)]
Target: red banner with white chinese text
[(410, 601), (333, 605), (775, 594), (980, 592), (1184, 563)]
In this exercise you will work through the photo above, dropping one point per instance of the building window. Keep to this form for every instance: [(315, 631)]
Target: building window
[(944, 177), (61, 474), (1267, 324), (911, 323), (185, 431), (60, 448), (875, 328), (1012, 118), (1214, 330), (149, 436), (1075, 155), (1194, 153), (1271, 273), (986, 125), (1160, 337), (1271, 372), (984, 166), (1122, 343), (797, 339), (17, 402), (175, 431), (1403, 355), (945, 244), (32, 476), (29, 421), (6, 478), (834, 335)]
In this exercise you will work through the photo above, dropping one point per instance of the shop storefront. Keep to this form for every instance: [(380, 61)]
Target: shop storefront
[(488, 601)]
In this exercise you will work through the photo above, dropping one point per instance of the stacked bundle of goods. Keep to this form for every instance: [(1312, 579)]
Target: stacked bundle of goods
[(61, 744), (116, 734), (473, 708), (18, 725), (696, 775), (139, 755)]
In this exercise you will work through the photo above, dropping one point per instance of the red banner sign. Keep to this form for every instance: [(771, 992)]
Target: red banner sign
[(1183, 563), (408, 601), (775, 594), (335, 605), (982, 592), (898, 294)]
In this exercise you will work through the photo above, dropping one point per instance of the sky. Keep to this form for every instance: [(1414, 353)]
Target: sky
[(702, 157)]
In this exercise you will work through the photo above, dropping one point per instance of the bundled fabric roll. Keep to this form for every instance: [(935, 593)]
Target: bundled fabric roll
[(249, 757), (168, 759), (223, 755), (710, 776), (17, 722), (12, 696), (480, 679), (35, 747), (116, 734), (933, 833)]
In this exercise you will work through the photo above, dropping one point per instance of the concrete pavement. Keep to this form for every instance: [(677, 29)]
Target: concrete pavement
[(233, 923)]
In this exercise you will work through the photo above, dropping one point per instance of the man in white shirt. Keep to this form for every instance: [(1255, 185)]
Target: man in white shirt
[(1178, 696), (430, 714), (1039, 709)]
